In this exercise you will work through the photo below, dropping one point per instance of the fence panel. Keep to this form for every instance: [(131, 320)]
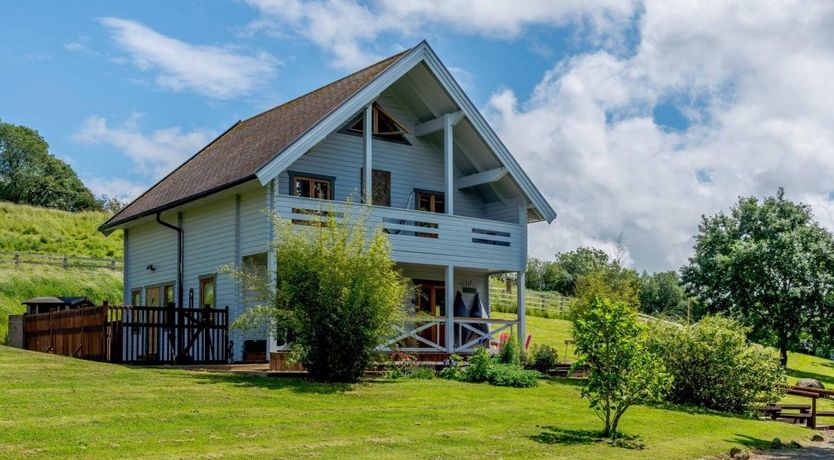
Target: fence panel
[(64, 261), (79, 333)]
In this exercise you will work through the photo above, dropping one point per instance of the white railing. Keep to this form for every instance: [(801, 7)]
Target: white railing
[(429, 335), (425, 237)]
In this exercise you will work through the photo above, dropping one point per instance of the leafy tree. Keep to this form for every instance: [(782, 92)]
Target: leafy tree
[(714, 366), (613, 282), (563, 273), (337, 293), (769, 264), (622, 372), (662, 294), (29, 174)]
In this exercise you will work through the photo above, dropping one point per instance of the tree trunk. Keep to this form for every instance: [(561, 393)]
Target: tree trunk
[(783, 348), (615, 424)]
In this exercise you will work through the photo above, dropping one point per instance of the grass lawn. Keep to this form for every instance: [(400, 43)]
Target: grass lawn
[(54, 406), (547, 331)]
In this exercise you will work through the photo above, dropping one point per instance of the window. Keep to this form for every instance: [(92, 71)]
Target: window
[(207, 292), (136, 297), (380, 186), (384, 125), (255, 273), (167, 295), (309, 186), (430, 201)]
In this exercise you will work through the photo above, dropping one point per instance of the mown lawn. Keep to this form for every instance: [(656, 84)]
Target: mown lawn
[(61, 407)]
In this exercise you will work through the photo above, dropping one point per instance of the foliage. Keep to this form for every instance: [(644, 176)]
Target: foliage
[(614, 283), (714, 366), (769, 264), (404, 366), (662, 294), (485, 368), (337, 291), (50, 231), (543, 358), (29, 174), (510, 352), (611, 343), (562, 274)]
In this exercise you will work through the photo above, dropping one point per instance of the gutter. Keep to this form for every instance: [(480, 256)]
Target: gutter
[(180, 255)]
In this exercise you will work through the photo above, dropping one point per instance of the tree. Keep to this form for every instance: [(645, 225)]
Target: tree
[(662, 294), (337, 292), (29, 174), (561, 274), (612, 282), (769, 264), (622, 372)]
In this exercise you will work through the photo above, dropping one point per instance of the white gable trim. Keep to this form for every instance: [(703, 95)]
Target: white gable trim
[(366, 95)]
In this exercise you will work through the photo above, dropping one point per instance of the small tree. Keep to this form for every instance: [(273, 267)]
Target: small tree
[(610, 342), (337, 292)]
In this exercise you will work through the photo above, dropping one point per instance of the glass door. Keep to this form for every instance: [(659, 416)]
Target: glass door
[(431, 300)]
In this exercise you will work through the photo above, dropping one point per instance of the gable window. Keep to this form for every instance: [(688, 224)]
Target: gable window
[(207, 292), (430, 201), (311, 186), (385, 127)]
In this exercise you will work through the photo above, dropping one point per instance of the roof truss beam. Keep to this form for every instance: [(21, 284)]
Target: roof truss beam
[(437, 124), (484, 177)]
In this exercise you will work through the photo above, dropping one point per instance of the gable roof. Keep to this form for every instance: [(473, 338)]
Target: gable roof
[(236, 155)]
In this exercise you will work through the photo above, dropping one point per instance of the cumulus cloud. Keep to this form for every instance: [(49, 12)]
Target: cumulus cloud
[(153, 154), (347, 29), (753, 80), (214, 71)]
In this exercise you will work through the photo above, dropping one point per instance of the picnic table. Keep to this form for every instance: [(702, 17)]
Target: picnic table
[(805, 413)]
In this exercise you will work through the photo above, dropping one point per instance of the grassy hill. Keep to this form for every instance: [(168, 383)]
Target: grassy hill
[(47, 231)]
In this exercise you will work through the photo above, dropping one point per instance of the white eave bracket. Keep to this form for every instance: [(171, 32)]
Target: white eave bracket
[(437, 124), (484, 177)]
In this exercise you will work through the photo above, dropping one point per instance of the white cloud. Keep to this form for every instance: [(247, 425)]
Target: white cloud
[(116, 187), (347, 29), (754, 77), (153, 154), (214, 71)]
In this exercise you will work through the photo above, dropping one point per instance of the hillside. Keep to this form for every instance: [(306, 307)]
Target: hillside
[(47, 231), (50, 231)]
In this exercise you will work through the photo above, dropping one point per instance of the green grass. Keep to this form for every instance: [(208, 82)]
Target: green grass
[(49, 231), (547, 331), (57, 407), (24, 282)]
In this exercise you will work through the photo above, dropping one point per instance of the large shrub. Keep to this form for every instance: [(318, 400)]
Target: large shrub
[(543, 358), (714, 366), (337, 293), (495, 370), (622, 372)]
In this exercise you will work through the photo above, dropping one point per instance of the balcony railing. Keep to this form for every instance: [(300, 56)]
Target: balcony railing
[(426, 237), (428, 335)]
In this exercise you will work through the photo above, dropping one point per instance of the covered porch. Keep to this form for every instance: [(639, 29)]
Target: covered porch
[(449, 312)]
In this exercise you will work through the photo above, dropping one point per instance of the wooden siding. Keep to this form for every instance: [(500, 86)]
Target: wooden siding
[(150, 244), (419, 165)]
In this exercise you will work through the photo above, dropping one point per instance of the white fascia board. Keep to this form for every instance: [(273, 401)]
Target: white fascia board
[(437, 124), (331, 122), (483, 128)]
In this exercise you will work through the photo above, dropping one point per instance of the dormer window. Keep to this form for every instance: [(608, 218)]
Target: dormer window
[(385, 126)]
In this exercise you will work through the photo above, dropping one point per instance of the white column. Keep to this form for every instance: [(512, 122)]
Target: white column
[(450, 308), (367, 142), (448, 149), (522, 320), (271, 263)]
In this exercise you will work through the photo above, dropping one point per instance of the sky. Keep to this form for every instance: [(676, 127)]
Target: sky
[(634, 118)]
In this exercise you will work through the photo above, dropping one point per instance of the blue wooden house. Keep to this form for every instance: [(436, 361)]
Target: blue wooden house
[(402, 135)]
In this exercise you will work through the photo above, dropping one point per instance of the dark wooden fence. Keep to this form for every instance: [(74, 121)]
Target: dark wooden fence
[(64, 261), (132, 334)]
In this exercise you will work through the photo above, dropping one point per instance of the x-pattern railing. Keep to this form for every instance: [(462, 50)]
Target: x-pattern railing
[(494, 328)]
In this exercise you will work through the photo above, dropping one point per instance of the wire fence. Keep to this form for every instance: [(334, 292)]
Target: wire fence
[(64, 261)]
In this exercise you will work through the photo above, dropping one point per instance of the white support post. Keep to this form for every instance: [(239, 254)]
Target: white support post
[(367, 142), (450, 308), (448, 150), (522, 320), (271, 263)]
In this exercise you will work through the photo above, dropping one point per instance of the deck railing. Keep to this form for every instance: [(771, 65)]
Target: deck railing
[(424, 237), (429, 335)]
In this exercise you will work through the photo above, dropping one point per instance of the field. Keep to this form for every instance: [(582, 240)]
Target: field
[(61, 407)]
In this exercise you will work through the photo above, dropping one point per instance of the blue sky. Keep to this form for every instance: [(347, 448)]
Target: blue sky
[(634, 117)]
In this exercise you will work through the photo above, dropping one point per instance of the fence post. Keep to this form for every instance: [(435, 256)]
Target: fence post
[(112, 264), (66, 262), (16, 259)]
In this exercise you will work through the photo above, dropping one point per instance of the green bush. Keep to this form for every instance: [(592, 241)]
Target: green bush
[(543, 358), (338, 292), (510, 353), (485, 368), (714, 366)]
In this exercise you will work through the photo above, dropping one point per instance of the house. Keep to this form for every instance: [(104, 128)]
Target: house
[(452, 199), (47, 304)]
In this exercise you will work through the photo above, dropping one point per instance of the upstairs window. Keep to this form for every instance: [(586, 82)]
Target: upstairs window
[(308, 186), (384, 125), (430, 201)]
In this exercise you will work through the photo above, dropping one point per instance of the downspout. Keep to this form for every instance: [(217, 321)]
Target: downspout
[(179, 256)]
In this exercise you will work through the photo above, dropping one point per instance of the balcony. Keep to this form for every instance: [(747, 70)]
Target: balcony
[(425, 237)]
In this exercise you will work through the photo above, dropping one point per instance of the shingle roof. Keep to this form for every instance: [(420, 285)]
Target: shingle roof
[(238, 153)]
